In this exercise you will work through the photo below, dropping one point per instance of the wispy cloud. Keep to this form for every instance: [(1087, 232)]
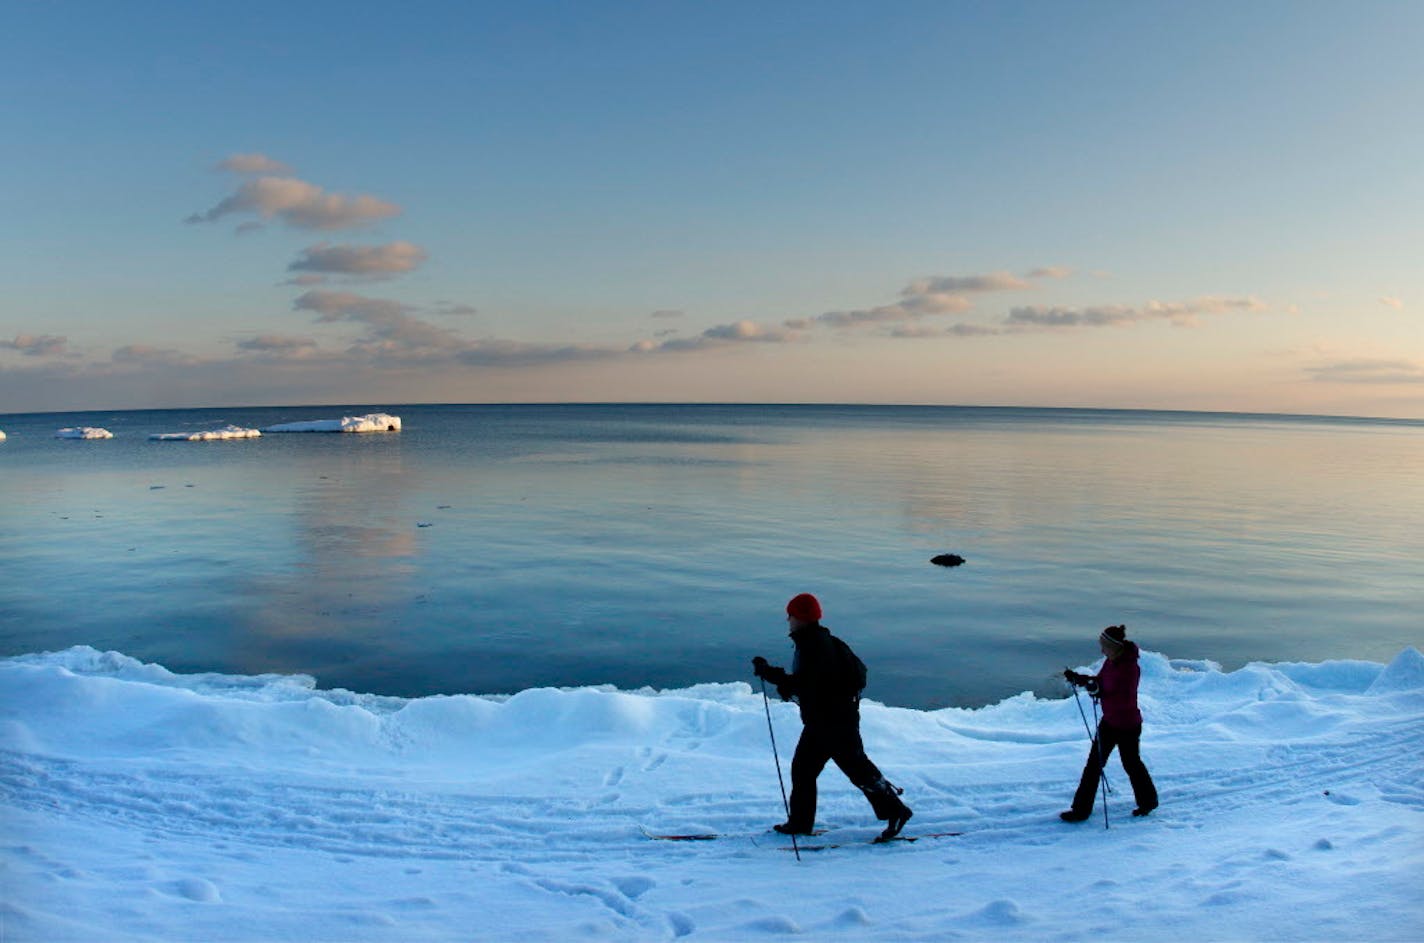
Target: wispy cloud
[(1393, 302), (1368, 371), (723, 335), (393, 258), (254, 164), (1095, 316), (299, 204), (390, 328), (38, 345), (276, 343), (932, 296), (911, 307), (507, 353), (919, 329), (346, 306), (1181, 313), (452, 309), (149, 356), (395, 336)]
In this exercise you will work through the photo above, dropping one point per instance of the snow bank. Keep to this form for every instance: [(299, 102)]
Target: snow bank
[(141, 804), (375, 422), (210, 435), (83, 432)]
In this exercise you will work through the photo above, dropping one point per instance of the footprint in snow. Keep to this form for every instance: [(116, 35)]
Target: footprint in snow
[(634, 886)]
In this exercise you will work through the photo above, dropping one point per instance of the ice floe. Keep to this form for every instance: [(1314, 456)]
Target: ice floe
[(83, 432), (375, 422), (210, 435)]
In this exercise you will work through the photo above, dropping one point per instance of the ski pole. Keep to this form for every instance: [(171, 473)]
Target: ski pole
[(776, 756), (1102, 762), (1092, 737)]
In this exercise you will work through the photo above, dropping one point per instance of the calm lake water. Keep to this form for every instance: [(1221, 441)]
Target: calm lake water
[(486, 549)]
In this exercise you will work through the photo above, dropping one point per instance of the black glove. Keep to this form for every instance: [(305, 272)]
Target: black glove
[(1082, 681), (759, 666)]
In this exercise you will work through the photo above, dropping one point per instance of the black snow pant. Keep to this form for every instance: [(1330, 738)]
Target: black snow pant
[(1127, 740), (839, 741)]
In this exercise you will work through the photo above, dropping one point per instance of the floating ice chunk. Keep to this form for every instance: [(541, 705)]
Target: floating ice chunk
[(2, 435), (210, 435), (83, 432), (375, 422)]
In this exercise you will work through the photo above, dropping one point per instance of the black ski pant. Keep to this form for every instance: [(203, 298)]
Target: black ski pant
[(1127, 741), (838, 741)]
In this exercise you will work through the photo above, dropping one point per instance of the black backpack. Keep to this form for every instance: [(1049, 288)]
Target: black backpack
[(852, 670)]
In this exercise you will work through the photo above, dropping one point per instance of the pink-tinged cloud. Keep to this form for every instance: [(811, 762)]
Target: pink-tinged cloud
[(255, 164), (300, 205), (38, 345), (1368, 371), (954, 284), (1392, 302), (393, 258)]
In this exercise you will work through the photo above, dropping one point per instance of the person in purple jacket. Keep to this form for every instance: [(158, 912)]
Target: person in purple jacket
[(1115, 686)]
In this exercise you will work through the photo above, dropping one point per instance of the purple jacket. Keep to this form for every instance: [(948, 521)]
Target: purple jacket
[(1117, 688)]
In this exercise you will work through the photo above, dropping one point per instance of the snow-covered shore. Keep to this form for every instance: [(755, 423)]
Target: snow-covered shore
[(145, 805)]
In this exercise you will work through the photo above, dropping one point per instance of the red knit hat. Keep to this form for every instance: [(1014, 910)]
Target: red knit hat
[(804, 607)]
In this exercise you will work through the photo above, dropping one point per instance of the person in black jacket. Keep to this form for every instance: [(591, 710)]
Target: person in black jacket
[(826, 679)]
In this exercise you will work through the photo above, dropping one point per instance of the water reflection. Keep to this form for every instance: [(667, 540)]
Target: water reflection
[(569, 547)]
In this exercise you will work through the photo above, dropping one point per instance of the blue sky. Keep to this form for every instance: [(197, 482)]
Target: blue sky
[(1194, 206)]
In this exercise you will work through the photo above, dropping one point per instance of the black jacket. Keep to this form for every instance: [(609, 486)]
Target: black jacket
[(821, 678)]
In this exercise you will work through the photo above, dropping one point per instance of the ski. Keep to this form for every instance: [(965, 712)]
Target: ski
[(875, 841), (711, 836), (691, 836)]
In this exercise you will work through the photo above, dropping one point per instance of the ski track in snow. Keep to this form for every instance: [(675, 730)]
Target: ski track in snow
[(446, 821)]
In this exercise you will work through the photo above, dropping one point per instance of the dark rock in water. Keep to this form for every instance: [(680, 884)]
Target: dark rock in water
[(947, 559)]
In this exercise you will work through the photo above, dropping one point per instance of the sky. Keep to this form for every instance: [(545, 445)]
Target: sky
[(1213, 206)]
